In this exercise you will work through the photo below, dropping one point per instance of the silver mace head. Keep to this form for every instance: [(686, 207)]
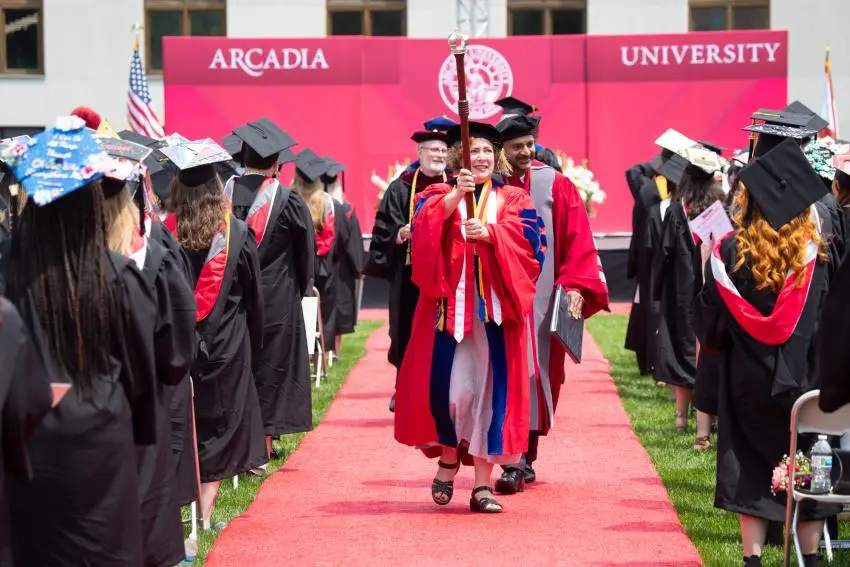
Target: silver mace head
[(458, 41)]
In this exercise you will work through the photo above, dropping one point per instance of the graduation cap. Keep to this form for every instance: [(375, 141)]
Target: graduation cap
[(511, 105), (658, 160), (58, 161), (141, 139), (334, 167), (815, 121), (476, 130), (820, 154), (428, 135), (195, 160), (518, 126), (263, 140), (309, 166), (782, 183), (233, 145), (841, 163), (440, 124), (674, 141), (713, 147), (674, 168), (704, 159)]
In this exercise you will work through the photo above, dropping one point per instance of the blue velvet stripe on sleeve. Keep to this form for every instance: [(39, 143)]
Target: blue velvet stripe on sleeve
[(532, 233)]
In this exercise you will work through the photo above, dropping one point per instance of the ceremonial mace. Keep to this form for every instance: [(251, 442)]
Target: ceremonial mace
[(458, 41)]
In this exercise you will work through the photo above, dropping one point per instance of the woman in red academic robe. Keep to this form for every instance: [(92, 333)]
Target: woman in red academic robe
[(464, 388)]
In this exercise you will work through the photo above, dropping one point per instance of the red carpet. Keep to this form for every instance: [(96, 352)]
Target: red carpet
[(351, 495)]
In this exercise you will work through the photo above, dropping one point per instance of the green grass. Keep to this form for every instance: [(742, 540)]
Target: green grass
[(688, 475), (229, 503)]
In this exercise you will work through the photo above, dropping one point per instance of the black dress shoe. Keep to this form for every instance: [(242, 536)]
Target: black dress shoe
[(812, 560), (511, 482), (752, 561), (529, 474)]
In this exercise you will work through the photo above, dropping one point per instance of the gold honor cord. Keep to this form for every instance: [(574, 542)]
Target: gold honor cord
[(410, 212)]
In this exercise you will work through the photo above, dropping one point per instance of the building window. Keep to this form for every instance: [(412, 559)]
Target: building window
[(180, 17), (547, 17), (14, 131), (22, 32), (722, 15), (367, 17)]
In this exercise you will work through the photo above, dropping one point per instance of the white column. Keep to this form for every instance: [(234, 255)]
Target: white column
[(431, 18), (809, 31), (637, 16)]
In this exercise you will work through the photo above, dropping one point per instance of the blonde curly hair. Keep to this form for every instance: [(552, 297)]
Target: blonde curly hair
[(772, 253)]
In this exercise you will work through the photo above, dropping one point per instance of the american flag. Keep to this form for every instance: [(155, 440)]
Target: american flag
[(140, 111)]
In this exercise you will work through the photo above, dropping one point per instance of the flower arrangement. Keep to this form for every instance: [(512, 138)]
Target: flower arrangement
[(393, 172), (583, 179), (802, 474)]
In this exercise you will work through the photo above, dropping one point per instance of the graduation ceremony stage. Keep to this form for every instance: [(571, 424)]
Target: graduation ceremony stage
[(602, 98), (351, 495)]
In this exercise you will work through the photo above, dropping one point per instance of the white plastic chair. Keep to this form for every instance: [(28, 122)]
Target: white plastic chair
[(807, 417), (312, 310)]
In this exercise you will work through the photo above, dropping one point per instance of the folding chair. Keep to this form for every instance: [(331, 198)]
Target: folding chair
[(807, 417), (311, 308)]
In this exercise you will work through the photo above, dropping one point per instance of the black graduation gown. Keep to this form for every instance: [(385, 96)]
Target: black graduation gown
[(327, 280), (351, 259), (833, 229), (286, 256), (639, 267), (183, 441), (833, 346), (25, 399), (82, 505), (674, 265), (387, 259), (227, 412), (174, 343), (757, 387)]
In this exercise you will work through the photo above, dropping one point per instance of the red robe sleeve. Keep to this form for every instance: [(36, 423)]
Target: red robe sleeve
[(515, 253), (437, 244), (577, 265)]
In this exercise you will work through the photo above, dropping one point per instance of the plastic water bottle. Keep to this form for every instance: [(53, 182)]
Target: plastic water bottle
[(821, 466), (191, 547)]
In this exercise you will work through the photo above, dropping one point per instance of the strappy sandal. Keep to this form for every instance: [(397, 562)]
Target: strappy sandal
[(702, 443), (485, 505), (444, 487)]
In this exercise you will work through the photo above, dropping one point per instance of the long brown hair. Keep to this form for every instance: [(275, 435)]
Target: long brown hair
[(772, 253), (200, 211), (58, 259), (314, 195)]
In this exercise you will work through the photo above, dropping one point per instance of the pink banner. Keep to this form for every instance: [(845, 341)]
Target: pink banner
[(358, 99)]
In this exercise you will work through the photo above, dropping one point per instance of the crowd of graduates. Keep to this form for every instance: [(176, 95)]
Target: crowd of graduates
[(739, 322), (152, 332)]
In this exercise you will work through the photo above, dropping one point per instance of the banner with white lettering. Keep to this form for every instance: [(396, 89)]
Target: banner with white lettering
[(358, 99)]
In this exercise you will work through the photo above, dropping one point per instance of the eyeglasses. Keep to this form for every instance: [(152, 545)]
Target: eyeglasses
[(435, 150)]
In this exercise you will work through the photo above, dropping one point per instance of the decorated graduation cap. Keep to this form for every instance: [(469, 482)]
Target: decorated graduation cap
[(265, 142), (476, 130), (195, 160), (713, 147), (309, 166), (703, 160), (428, 135), (440, 124), (512, 105), (778, 125), (518, 126), (815, 121), (58, 161), (783, 183), (820, 154)]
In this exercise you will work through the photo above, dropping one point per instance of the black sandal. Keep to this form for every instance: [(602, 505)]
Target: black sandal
[(445, 487), (484, 505)]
